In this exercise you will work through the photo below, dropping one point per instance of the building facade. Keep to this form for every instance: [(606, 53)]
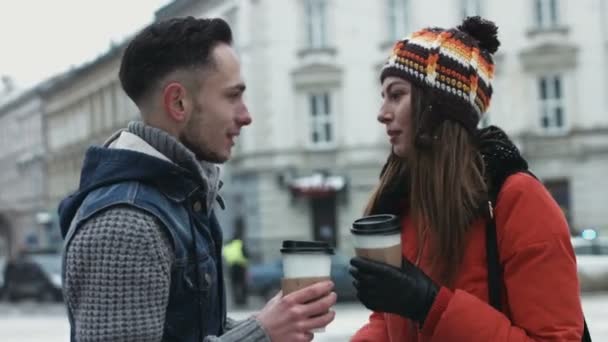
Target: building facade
[(24, 221), (552, 96), (307, 165), (45, 133), (83, 109)]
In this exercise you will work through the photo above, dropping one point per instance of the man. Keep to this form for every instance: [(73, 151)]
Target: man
[(142, 258)]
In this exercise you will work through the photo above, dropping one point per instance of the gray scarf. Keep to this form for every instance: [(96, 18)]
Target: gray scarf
[(171, 148)]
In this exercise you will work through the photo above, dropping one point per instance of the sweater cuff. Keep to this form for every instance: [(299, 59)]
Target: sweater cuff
[(247, 330), (441, 303)]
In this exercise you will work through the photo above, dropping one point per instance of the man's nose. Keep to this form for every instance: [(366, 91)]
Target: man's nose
[(244, 117)]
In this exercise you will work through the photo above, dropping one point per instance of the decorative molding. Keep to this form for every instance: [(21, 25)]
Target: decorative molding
[(347, 157), (576, 143), (313, 75), (327, 51), (549, 57), (556, 30)]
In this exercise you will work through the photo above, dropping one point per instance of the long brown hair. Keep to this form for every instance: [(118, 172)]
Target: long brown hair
[(441, 181)]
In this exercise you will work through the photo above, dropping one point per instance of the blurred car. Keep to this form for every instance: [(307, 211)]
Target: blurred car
[(35, 275), (592, 262), (264, 279)]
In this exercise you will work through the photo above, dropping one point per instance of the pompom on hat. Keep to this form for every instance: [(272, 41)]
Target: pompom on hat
[(455, 64)]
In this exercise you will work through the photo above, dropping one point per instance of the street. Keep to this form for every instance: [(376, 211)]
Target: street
[(30, 322)]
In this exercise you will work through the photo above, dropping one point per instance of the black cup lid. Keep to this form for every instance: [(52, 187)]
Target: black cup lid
[(292, 247), (382, 224)]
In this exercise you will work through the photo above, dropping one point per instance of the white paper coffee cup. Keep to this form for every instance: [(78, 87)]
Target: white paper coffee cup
[(378, 237), (305, 263)]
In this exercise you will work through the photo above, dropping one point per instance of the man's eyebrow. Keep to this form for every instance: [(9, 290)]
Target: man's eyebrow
[(240, 87)]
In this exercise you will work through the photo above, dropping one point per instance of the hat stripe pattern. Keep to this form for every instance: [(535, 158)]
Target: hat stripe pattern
[(447, 60)]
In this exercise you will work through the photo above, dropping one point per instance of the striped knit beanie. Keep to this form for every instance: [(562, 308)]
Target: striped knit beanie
[(456, 65)]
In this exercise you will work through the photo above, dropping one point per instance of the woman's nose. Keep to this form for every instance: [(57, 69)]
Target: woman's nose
[(384, 115)]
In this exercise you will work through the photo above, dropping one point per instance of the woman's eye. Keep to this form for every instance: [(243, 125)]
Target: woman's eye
[(395, 96)]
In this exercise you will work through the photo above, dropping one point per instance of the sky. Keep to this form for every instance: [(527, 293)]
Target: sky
[(42, 38)]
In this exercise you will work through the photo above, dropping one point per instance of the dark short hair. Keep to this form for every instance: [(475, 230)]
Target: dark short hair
[(167, 46)]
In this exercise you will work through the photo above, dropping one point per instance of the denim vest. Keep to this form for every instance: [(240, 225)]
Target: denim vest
[(197, 304)]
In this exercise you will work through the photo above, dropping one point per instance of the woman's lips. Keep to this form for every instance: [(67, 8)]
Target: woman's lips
[(394, 135)]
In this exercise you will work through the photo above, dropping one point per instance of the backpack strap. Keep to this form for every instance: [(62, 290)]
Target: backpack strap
[(495, 282), (493, 262)]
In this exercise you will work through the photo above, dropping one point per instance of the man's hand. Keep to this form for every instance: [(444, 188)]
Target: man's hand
[(407, 291), (291, 318)]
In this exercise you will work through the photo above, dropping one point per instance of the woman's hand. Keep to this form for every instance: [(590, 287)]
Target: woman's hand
[(404, 291)]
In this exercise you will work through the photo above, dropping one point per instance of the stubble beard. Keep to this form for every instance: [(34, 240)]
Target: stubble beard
[(201, 152)]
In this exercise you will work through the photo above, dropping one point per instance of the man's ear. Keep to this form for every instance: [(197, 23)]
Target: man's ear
[(177, 102)]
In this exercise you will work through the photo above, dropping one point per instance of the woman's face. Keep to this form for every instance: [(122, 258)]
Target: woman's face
[(396, 113)]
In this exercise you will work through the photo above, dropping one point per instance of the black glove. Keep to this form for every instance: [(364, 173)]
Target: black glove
[(407, 292)]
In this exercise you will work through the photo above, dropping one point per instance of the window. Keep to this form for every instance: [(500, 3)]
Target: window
[(32, 126), (113, 90), (546, 13), (66, 127), (321, 119), (102, 109), (127, 107), (316, 24), (97, 111), (550, 90), (109, 114), (471, 8), (398, 19), (12, 133), (560, 190), (121, 98)]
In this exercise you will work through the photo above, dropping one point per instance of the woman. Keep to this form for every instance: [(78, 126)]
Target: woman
[(439, 180)]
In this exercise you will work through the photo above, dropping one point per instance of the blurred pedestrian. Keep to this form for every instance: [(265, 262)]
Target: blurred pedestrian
[(236, 256), (451, 183), (142, 258)]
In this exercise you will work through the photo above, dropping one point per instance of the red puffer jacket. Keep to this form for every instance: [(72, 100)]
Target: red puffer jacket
[(541, 291)]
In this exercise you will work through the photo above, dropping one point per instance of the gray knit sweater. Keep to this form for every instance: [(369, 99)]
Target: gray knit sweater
[(118, 265)]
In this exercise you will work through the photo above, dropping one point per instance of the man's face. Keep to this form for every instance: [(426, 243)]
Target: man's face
[(218, 108)]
